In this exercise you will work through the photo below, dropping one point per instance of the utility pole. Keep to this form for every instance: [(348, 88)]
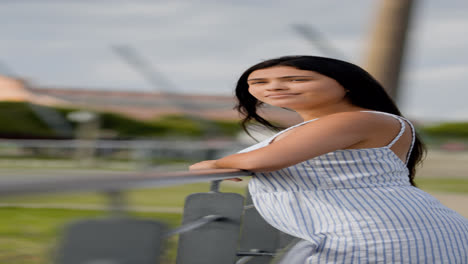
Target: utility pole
[(385, 55)]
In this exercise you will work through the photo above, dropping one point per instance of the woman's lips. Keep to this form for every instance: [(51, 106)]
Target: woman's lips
[(280, 95)]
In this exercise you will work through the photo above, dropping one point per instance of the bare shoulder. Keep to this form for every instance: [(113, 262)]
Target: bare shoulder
[(375, 129), (363, 121), (358, 127), (367, 126)]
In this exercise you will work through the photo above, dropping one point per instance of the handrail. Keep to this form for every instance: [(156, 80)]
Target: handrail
[(10, 186)]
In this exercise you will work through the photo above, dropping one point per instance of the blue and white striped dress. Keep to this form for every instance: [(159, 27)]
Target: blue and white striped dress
[(357, 206)]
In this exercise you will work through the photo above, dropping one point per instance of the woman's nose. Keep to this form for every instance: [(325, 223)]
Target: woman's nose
[(276, 87)]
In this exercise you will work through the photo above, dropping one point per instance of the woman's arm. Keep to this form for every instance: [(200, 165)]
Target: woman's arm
[(333, 132)]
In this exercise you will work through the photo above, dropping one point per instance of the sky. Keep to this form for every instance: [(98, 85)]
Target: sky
[(204, 46)]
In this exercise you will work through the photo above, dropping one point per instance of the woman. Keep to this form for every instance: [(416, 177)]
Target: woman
[(342, 180)]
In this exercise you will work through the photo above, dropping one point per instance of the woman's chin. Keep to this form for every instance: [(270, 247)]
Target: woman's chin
[(288, 106)]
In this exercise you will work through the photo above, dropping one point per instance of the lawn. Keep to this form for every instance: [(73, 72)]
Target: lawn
[(29, 235), (451, 185)]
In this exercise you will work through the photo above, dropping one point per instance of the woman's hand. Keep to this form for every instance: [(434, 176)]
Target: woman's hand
[(207, 165), (203, 165)]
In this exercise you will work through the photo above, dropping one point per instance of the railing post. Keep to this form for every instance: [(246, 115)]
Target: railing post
[(117, 203), (215, 242), (214, 186)]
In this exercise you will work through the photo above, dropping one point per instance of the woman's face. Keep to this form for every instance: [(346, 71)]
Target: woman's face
[(288, 87)]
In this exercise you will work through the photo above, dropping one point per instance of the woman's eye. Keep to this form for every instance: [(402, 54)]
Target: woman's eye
[(299, 80), (256, 82)]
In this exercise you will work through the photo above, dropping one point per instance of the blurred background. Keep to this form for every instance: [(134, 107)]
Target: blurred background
[(104, 87)]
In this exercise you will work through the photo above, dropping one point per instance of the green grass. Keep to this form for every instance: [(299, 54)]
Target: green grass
[(30, 236), (443, 185), (175, 196)]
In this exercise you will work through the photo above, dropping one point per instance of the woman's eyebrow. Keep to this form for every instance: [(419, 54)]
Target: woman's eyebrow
[(283, 77), (295, 76)]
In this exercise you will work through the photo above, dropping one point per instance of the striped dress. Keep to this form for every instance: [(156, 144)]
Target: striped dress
[(357, 206)]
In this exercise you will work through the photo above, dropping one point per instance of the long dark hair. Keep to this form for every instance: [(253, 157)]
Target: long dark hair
[(364, 91)]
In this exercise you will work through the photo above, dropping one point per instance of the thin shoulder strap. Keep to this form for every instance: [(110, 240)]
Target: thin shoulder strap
[(413, 138), (402, 130), (287, 129)]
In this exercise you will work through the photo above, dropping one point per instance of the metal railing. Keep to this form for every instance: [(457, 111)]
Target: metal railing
[(116, 182), (217, 227)]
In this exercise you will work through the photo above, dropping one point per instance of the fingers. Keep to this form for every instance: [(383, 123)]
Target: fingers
[(234, 179), (203, 165)]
